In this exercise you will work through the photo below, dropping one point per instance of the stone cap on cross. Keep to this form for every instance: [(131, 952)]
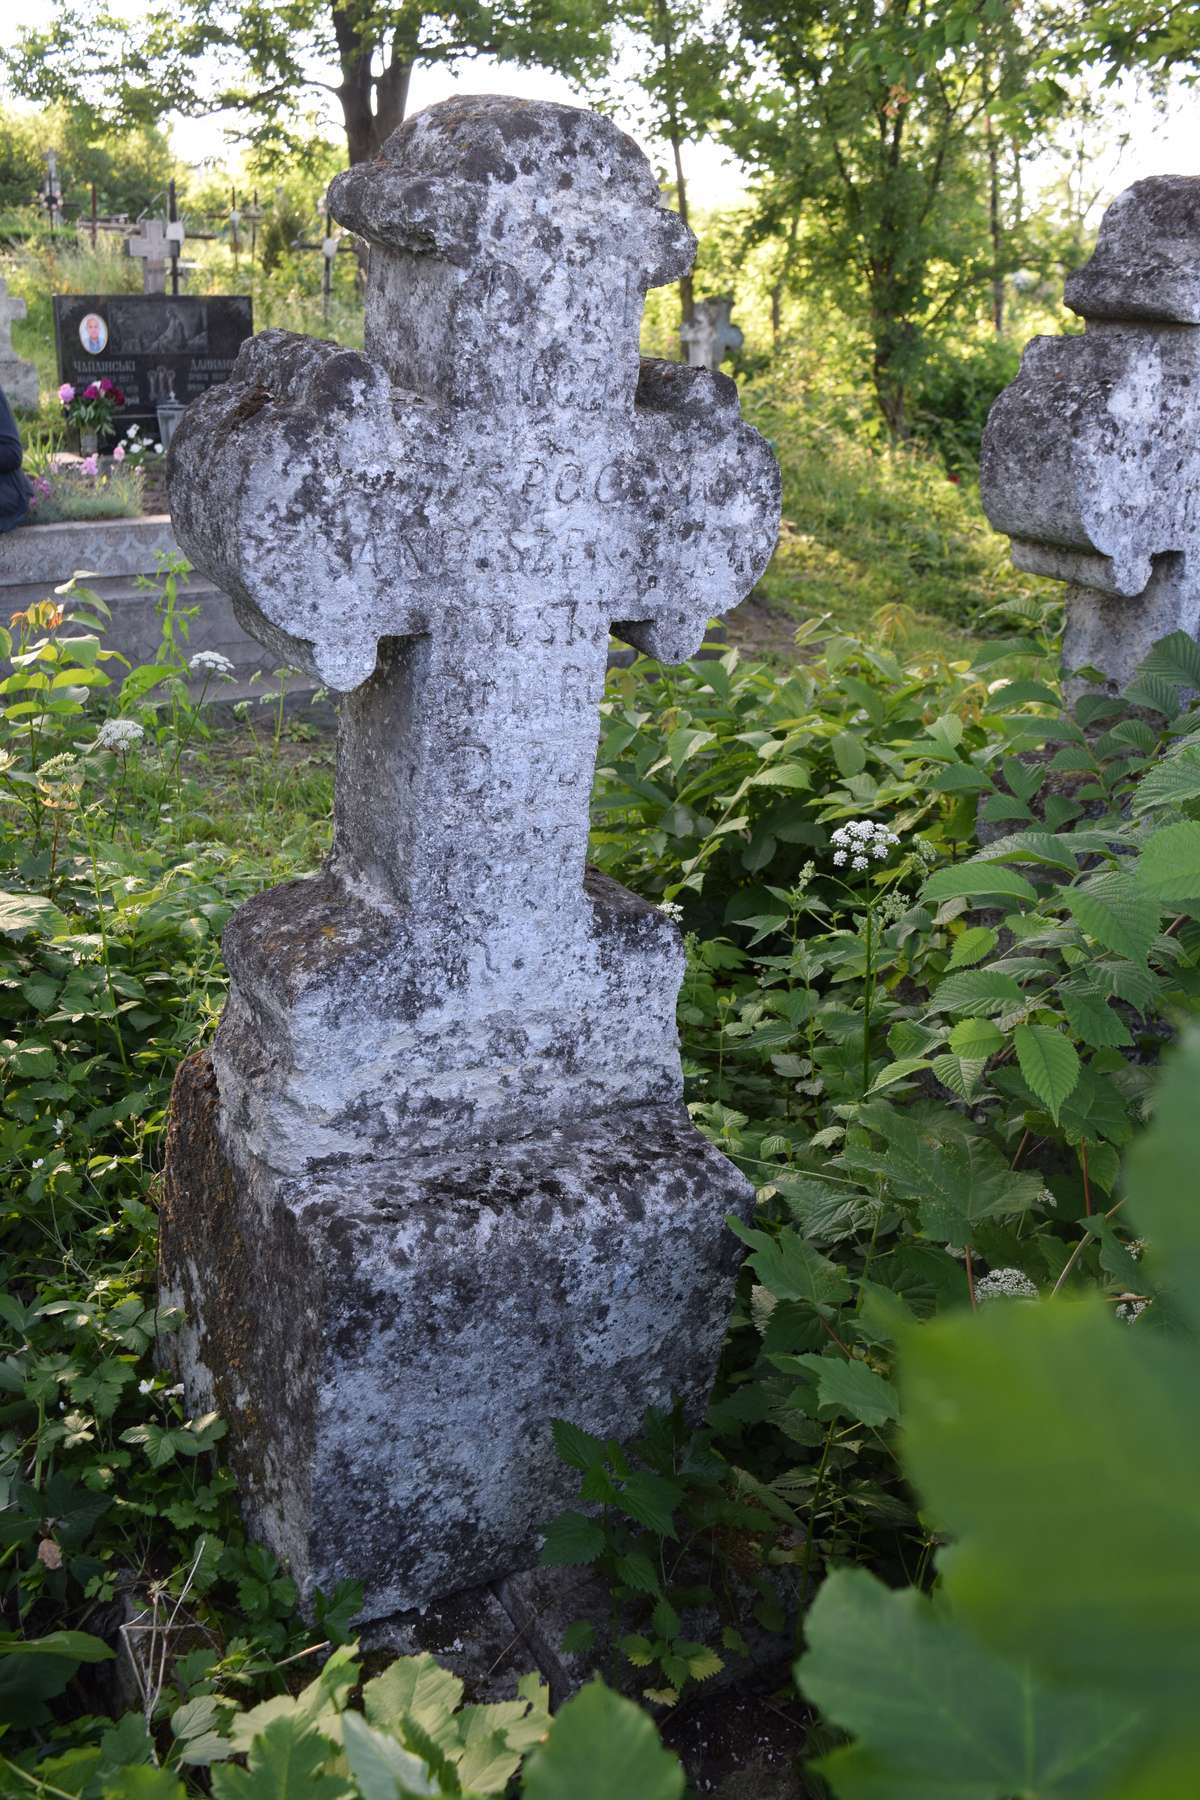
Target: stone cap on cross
[(1091, 458), (512, 244)]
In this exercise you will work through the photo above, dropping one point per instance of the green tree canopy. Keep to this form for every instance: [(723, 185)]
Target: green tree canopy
[(129, 168), (895, 125), (275, 63)]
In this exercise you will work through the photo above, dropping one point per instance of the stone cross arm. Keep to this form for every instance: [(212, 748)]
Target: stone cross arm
[(424, 511), (448, 526), (1091, 458)]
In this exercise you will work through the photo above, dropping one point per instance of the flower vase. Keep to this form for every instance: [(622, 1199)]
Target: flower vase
[(89, 441)]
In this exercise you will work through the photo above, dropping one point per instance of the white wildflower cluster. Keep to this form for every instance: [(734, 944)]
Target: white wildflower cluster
[(57, 768), (118, 734), (891, 907), (1129, 1310), (211, 662), (859, 841), (671, 909), (1004, 1284)]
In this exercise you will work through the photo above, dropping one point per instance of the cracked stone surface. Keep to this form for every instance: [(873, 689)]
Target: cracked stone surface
[(437, 1184), (1091, 458)]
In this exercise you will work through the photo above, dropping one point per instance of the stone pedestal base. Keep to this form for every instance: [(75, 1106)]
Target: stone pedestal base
[(389, 1341)]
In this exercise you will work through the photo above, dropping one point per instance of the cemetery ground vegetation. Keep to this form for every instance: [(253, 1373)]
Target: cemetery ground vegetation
[(951, 1456), (934, 1067)]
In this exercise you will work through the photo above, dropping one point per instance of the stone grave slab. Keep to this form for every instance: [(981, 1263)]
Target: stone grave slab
[(436, 1184), (1091, 458), (153, 346)]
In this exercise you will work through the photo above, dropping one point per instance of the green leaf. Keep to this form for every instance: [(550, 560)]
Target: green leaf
[(1171, 782), (142, 1783), (855, 1390), (849, 753), (1012, 1464), (286, 1762), (1169, 864), (978, 880), (972, 945), (1117, 913), (651, 1500), (791, 1269), (1049, 1062), (1092, 1019), (21, 914), (1161, 1185), (960, 1074), (783, 775), (956, 1184), (976, 1038), (80, 1646), (382, 1768), (571, 1538), (414, 1687), (975, 992), (898, 1071), (576, 1447), (937, 1715), (602, 1747)]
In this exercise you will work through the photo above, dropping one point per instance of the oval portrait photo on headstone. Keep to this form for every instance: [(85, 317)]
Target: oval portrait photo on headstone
[(93, 333)]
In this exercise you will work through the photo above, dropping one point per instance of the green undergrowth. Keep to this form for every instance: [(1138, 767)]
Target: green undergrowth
[(881, 539), (933, 1068)]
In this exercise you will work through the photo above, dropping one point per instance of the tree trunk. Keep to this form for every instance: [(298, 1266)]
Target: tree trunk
[(995, 224), (891, 347), (372, 105), (780, 281), (687, 295)]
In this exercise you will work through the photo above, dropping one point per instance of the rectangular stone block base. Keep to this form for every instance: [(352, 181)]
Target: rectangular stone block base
[(390, 1341)]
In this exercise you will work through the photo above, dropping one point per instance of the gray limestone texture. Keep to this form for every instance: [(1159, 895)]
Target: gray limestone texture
[(1091, 458), (438, 1184), (18, 378), (710, 335)]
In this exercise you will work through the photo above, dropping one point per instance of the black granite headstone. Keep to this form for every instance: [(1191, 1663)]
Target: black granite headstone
[(154, 347)]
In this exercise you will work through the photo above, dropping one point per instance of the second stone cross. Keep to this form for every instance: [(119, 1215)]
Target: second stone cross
[(436, 1184)]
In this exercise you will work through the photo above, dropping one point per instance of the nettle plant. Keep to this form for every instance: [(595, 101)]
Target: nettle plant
[(402, 1735), (1063, 1650), (929, 1072), (110, 921)]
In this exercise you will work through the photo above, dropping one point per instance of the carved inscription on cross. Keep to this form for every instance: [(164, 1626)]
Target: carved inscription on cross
[(445, 530), (1091, 458)]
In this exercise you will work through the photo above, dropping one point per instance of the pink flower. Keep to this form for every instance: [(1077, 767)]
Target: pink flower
[(89, 466), (92, 392), (66, 393), (118, 454)]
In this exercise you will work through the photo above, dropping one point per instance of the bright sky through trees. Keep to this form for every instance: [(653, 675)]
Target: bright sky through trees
[(1155, 143)]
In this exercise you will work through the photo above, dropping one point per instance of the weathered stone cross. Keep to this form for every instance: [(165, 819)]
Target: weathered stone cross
[(11, 307), (1091, 459), (154, 246), (17, 378), (710, 335), (437, 1184), (446, 529)]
